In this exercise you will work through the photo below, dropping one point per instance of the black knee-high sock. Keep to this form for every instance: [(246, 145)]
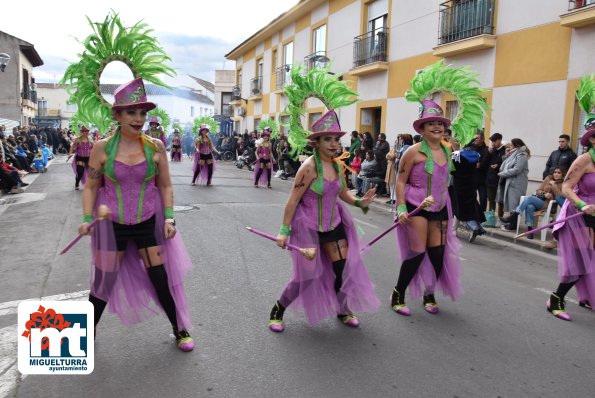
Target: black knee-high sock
[(436, 255), (269, 177), (158, 278), (258, 175), (564, 288), (338, 267), (98, 307), (80, 170), (209, 173), (408, 270), (196, 173)]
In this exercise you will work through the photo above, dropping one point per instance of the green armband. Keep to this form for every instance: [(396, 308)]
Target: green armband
[(169, 212), (359, 204), (285, 230), (581, 204), (88, 218), (401, 209)]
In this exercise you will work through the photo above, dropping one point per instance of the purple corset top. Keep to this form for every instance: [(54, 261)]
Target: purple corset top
[(131, 198), (585, 188), (328, 217), (204, 147), (83, 149), (264, 152), (419, 186)]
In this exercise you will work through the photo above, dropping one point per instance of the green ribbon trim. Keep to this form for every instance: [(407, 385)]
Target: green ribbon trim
[(318, 184), (592, 152), (429, 166)]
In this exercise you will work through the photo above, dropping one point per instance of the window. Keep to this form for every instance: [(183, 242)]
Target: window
[(256, 122), (288, 54), (42, 107), (377, 15), (191, 111), (452, 108), (319, 39), (259, 68), (226, 109)]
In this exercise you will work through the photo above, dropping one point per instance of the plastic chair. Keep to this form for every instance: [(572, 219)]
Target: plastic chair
[(543, 220)]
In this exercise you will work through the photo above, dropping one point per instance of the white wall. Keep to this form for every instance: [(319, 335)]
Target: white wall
[(414, 28), (342, 27), (521, 14), (301, 46), (533, 113), (582, 52), (481, 62), (319, 13), (373, 86), (287, 32), (399, 117)]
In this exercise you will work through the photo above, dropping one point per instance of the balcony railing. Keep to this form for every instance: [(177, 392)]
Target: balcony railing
[(29, 95), (576, 4), (256, 86), (283, 76), (315, 60), (465, 19), (370, 47)]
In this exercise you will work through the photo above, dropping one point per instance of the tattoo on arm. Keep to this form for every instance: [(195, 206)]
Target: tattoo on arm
[(300, 184), (571, 173), (402, 171), (95, 173)]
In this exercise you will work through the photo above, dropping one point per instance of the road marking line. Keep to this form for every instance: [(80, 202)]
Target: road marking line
[(11, 307), (548, 292)]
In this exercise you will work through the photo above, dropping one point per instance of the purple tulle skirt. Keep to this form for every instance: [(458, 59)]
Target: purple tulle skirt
[(424, 280), (203, 177), (125, 284), (263, 180), (176, 156), (73, 164), (576, 255), (312, 282)]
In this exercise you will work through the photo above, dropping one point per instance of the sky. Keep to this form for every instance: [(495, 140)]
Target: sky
[(195, 34)]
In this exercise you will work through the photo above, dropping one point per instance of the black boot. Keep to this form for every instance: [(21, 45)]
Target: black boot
[(506, 220), (276, 323)]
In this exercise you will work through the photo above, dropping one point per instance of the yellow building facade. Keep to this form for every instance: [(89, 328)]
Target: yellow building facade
[(528, 54)]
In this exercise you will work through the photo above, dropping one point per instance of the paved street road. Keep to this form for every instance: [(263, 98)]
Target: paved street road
[(496, 341)]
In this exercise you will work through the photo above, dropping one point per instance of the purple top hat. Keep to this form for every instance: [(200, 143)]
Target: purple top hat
[(204, 127), (132, 95), (84, 129), (429, 111), (328, 124), (589, 130), (266, 131)]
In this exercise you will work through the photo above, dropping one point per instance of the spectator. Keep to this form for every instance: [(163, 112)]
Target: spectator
[(356, 165), (496, 153), (416, 138), (382, 147), (463, 191), (550, 189), (513, 175), (10, 179), (377, 176), (356, 143), (483, 165), (367, 142), (368, 166), (563, 156)]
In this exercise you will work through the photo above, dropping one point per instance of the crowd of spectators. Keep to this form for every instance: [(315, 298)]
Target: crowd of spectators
[(27, 150)]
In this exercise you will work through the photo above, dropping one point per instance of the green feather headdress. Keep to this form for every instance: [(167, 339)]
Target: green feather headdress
[(76, 122), (162, 115), (586, 94), (112, 41), (464, 86), (270, 124), (204, 120), (317, 83), (179, 127)]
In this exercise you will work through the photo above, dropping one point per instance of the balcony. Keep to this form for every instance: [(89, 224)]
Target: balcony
[(370, 52), (226, 110), (236, 95), (316, 60), (256, 88), (465, 26), (283, 78), (29, 98), (580, 13)]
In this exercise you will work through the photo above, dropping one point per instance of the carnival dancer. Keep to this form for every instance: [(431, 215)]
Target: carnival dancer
[(81, 148), (264, 160), (204, 161), (335, 282), (427, 243), (176, 146), (576, 236), (155, 130), (139, 261)]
